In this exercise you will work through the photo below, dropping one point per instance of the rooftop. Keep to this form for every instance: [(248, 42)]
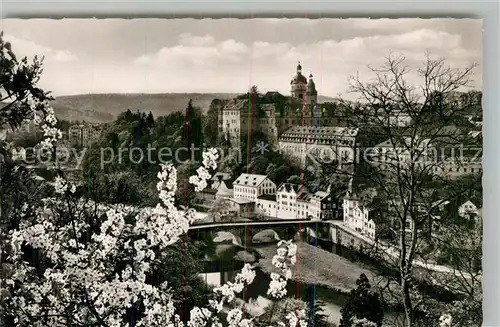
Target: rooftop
[(267, 197), (321, 131), (241, 200), (289, 187), (235, 104), (319, 195), (252, 180), (221, 176)]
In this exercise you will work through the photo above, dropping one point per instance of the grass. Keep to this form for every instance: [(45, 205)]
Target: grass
[(319, 267)]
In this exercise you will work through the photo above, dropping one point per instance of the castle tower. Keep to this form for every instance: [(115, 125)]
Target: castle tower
[(298, 84), (311, 94)]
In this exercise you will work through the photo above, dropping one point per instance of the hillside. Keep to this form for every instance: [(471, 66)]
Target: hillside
[(106, 107)]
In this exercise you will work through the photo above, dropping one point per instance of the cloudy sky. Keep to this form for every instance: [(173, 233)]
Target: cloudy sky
[(229, 55)]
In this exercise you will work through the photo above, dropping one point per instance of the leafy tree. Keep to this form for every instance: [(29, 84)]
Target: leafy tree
[(21, 100), (185, 192), (150, 120), (193, 133), (258, 165), (279, 174), (181, 267), (317, 315), (127, 116), (211, 122), (293, 179), (362, 303), (121, 187), (217, 208)]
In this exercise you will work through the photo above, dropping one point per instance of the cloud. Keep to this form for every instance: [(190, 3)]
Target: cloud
[(233, 65), (28, 48), (201, 51), (189, 39)]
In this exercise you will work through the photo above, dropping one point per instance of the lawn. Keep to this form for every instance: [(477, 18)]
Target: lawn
[(319, 267)]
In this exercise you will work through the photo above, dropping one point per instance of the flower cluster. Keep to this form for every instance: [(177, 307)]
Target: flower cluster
[(82, 278), (445, 320), (228, 291), (298, 318), (356, 322), (83, 268), (286, 255), (209, 162), (61, 186)]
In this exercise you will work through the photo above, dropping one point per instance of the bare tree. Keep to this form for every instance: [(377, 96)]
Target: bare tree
[(407, 156)]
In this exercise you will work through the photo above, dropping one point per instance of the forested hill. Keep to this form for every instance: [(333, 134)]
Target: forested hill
[(101, 108), (106, 107)]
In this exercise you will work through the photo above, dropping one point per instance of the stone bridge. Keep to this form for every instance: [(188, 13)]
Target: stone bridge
[(256, 232)]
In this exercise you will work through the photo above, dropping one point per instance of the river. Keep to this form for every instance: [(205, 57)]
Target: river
[(223, 267)]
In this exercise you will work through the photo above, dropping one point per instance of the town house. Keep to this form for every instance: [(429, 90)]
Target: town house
[(360, 217), (287, 197), (251, 186)]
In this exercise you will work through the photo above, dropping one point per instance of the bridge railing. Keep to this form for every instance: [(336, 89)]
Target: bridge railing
[(254, 222)]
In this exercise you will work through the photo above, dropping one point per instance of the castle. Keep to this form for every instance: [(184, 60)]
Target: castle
[(273, 113)]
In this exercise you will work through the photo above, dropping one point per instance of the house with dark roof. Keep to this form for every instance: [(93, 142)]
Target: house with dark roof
[(321, 206), (218, 178)]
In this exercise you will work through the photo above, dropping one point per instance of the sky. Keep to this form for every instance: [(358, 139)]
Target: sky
[(230, 55)]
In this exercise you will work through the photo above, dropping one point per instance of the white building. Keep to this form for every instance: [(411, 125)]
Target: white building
[(251, 186), (84, 135), (304, 206), (468, 208), (359, 217), (229, 121), (325, 144), (287, 198), (386, 154), (267, 205)]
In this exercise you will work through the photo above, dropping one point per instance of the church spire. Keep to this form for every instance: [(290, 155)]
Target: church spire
[(299, 68)]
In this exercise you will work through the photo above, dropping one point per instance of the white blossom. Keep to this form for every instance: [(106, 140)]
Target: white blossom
[(234, 317), (277, 286), (83, 272), (356, 322), (445, 320), (60, 185)]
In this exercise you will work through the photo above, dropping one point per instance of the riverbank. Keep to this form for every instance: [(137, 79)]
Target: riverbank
[(318, 267)]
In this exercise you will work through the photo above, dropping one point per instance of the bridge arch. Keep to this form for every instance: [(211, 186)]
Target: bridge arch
[(266, 236), (223, 236), (308, 231)]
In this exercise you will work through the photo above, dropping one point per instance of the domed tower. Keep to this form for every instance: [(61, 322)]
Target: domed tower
[(311, 94), (298, 84)]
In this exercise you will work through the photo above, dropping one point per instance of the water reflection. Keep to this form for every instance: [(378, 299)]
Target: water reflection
[(224, 268)]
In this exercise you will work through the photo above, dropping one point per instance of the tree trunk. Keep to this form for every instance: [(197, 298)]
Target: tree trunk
[(405, 291)]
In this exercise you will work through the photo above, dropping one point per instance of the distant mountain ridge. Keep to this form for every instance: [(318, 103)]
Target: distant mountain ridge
[(101, 108), (106, 107)]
